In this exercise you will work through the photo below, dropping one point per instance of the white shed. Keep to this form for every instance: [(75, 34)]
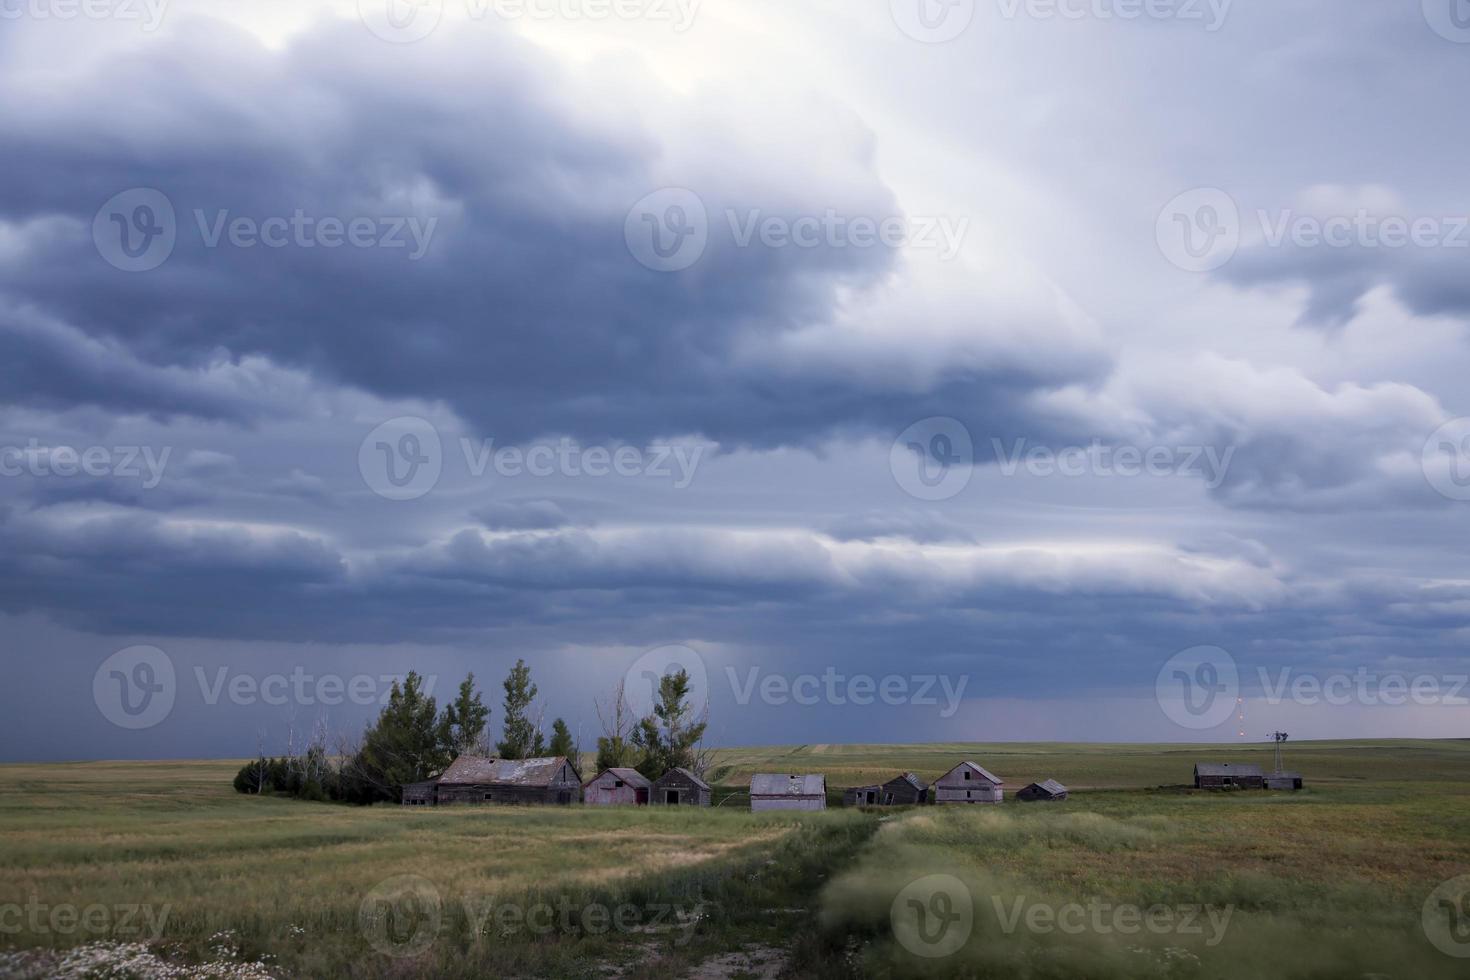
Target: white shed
[(968, 782), (780, 791)]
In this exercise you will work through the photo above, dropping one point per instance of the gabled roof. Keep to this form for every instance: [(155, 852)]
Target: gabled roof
[(686, 774), (783, 784), (909, 778), (992, 777), (478, 770), (632, 777), (1051, 786), (1225, 769)]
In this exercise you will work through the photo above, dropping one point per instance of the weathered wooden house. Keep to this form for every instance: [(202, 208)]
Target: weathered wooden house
[(617, 787), (478, 779), (680, 787), (968, 782), (1048, 790), (1225, 775), (780, 791), (906, 789), (862, 795), (1283, 780), (421, 794)]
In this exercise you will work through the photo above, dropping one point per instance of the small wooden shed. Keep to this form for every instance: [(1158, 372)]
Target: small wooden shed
[(617, 787), (1048, 790), (680, 787), (1284, 780), (906, 789), (969, 782), (422, 793), (862, 795), (1227, 775), (781, 791)]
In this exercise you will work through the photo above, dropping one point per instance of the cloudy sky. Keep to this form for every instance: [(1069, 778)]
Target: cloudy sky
[(911, 370)]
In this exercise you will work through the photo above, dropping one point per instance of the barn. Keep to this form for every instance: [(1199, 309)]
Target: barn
[(1047, 790), (905, 790), (1284, 780), (680, 787), (862, 795), (1226, 775), (780, 791), (968, 782), (617, 787), (480, 779)]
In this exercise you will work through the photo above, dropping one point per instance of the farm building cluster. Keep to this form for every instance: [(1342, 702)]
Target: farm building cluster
[(479, 779)]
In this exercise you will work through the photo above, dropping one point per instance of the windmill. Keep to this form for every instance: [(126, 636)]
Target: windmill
[(1279, 738)]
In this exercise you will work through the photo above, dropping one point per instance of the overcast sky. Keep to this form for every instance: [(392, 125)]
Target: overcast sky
[(924, 370)]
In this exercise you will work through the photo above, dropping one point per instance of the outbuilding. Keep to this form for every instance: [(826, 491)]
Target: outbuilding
[(617, 787), (1227, 775), (969, 782), (781, 791), (862, 795), (680, 787), (1048, 790), (422, 793), (480, 779), (905, 790), (1284, 780)]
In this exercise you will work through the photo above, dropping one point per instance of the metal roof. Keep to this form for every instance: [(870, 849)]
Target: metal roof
[(1225, 769), (1051, 786), (911, 779), (783, 784), (687, 775), (630, 776), (476, 770), (978, 768)]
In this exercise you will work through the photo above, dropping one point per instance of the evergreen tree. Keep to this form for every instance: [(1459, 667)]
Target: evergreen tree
[(521, 738), (465, 718), (562, 744), (409, 742), (670, 736)]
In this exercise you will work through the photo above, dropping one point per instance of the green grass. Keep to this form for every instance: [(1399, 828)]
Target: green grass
[(1323, 883)]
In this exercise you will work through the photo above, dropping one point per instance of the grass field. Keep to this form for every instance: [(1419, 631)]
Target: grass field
[(1328, 882)]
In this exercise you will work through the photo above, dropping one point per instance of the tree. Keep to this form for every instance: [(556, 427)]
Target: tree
[(465, 718), (670, 736), (615, 748), (521, 738), (562, 744), (409, 742)]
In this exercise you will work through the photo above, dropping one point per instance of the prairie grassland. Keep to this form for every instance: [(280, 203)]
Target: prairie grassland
[(1323, 883)]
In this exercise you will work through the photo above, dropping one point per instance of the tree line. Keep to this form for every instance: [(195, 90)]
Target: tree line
[(413, 740)]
